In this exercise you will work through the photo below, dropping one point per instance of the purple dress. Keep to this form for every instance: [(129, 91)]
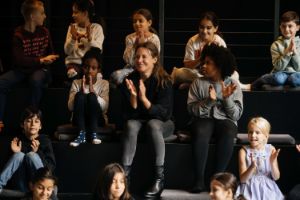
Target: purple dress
[(261, 185)]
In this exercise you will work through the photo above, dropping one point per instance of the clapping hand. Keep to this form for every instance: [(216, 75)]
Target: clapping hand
[(291, 49), (16, 145), (91, 88), (212, 93), (88, 32), (142, 91), (298, 147), (141, 37), (35, 145), (274, 155), (131, 87), (83, 84), (73, 32), (228, 90), (253, 161)]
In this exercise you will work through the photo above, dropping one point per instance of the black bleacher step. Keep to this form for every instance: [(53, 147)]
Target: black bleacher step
[(75, 196)]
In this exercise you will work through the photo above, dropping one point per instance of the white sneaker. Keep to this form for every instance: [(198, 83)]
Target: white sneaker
[(71, 73), (245, 86), (95, 139)]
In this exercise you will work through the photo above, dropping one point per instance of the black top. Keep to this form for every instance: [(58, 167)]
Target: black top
[(161, 100), (45, 150)]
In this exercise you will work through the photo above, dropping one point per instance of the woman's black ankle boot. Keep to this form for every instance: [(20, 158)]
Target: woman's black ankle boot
[(158, 185)]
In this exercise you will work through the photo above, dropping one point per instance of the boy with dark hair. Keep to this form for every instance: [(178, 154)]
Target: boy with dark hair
[(31, 151)]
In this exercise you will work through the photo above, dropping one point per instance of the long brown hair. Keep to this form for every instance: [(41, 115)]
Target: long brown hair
[(158, 72), (106, 179)]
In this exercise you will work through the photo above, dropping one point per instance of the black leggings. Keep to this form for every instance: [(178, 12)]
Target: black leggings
[(224, 132), (87, 113)]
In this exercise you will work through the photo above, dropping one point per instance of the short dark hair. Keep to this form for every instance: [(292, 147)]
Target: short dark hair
[(30, 112), (290, 16), (93, 52), (43, 173), (222, 57)]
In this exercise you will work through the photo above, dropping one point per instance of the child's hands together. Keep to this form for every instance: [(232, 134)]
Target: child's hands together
[(291, 49), (16, 145), (298, 147), (35, 145), (74, 32), (91, 88)]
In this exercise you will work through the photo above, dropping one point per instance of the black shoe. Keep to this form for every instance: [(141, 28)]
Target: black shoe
[(157, 187)]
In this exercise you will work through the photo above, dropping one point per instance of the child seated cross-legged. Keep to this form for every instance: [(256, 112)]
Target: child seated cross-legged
[(258, 164), (31, 151), (285, 52), (88, 99)]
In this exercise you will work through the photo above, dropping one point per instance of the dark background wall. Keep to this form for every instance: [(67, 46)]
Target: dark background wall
[(247, 27)]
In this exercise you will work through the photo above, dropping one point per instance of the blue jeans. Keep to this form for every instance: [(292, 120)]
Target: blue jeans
[(37, 81), (278, 79), (21, 164)]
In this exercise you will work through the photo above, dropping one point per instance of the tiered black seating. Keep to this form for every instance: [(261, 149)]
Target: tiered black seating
[(82, 164)]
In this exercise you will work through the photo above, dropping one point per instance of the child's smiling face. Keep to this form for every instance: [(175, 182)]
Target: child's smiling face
[(42, 190), (32, 126), (257, 136), (289, 29)]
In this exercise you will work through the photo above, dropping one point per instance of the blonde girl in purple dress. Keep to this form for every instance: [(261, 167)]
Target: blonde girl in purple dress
[(258, 166)]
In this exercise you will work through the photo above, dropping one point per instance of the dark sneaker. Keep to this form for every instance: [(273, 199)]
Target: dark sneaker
[(79, 140)]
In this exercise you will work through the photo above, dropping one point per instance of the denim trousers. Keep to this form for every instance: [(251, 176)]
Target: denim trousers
[(24, 165)]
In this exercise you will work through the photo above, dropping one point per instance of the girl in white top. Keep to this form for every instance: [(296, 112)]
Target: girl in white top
[(208, 34), (81, 36), (144, 32), (88, 99)]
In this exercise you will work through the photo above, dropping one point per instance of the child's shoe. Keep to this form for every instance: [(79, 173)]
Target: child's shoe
[(95, 139), (71, 73), (80, 139)]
